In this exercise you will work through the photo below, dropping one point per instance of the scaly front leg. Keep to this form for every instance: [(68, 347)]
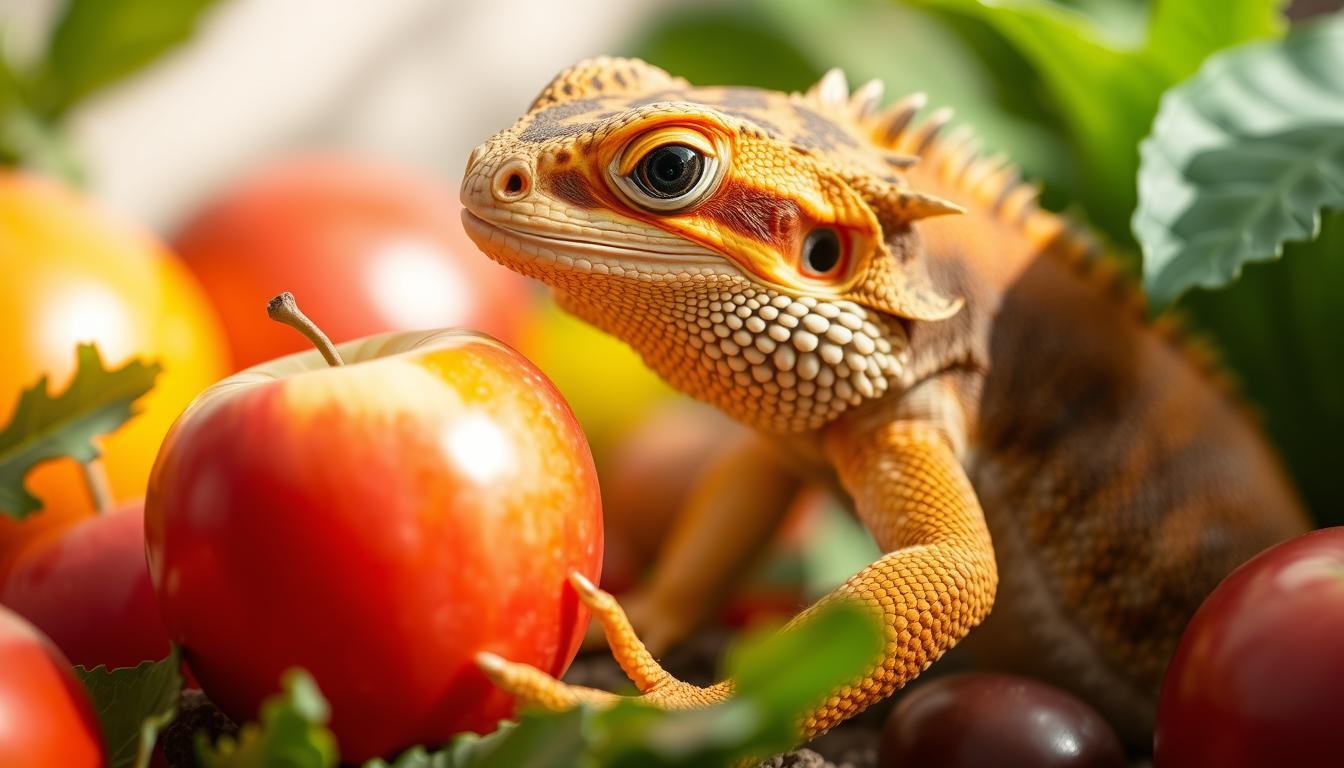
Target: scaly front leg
[(936, 583), (532, 686)]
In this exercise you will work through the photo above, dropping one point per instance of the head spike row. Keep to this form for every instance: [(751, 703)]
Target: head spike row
[(990, 180)]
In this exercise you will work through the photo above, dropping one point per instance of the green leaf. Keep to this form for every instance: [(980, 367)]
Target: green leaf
[(838, 642), (1242, 158), (292, 732), (1107, 89), (45, 427), (133, 705), (97, 42), (26, 140), (1278, 328)]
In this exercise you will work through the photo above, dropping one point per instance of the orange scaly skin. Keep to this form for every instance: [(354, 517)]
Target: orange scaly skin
[(984, 391)]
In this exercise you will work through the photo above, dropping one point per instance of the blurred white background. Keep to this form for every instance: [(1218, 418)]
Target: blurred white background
[(420, 82)]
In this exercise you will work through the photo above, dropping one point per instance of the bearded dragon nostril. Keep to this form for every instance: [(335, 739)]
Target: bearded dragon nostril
[(513, 181)]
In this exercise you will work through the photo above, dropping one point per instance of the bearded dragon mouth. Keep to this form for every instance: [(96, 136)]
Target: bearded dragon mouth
[(511, 244)]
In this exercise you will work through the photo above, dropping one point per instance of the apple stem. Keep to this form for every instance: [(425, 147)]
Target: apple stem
[(95, 478), (283, 309)]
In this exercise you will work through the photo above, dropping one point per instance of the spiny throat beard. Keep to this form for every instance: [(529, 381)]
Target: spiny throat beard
[(774, 362)]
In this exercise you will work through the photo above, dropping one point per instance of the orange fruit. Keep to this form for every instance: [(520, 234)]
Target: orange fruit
[(70, 273)]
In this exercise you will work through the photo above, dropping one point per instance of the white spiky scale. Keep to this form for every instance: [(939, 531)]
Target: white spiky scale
[(895, 118), (923, 136), (832, 89), (867, 98)]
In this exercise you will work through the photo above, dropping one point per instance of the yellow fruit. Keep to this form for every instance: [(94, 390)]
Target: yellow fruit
[(603, 380)]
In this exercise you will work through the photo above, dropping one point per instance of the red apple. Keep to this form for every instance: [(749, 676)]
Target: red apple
[(1257, 677), (370, 248), (88, 589), (377, 524), (46, 718)]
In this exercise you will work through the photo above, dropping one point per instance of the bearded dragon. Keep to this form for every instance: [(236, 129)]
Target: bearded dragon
[(892, 312)]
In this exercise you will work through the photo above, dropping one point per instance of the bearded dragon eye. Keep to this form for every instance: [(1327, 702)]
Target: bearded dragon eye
[(669, 171), (821, 252), (668, 178)]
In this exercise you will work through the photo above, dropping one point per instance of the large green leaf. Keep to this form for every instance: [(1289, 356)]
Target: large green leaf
[(133, 705), (1278, 329), (45, 427), (1107, 88), (97, 42), (1242, 158)]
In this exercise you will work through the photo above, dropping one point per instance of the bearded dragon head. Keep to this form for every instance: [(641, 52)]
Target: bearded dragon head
[(754, 247)]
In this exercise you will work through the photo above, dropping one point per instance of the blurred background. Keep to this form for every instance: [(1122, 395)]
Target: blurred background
[(315, 146)]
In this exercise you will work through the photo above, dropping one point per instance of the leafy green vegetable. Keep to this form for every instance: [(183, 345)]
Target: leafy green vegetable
[(134, 704), (779, 677), (292, 732), (1242, 158), (45, 427), (97, 42), (1107, 90)]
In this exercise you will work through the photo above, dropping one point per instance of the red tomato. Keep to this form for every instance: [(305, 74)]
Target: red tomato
[(369, 247), (377, 524), (46, 719), (88, 589), (1257, 677), (70, 273)]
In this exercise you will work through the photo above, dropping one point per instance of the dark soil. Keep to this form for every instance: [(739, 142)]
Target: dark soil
[(195, 713)]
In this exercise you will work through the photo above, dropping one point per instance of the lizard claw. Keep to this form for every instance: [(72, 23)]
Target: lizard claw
[(658, 627), (533, 687), (639, 665)]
